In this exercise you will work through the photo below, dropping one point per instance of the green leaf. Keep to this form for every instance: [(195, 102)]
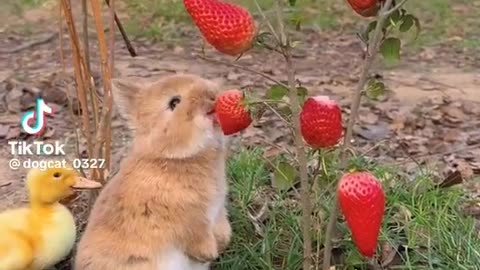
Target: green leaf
[(286, 112), (265, 39), (408, 22), (375, 89), (292, 2), (276, 92), (284, 176), (395, 17), (390, 49), (417, 25), (366, 35), (302, 93)]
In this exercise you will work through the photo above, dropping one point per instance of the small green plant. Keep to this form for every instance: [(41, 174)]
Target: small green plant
[(314, 122), (423, 227)]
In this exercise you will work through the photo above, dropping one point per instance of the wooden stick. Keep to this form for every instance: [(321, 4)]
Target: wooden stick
[(127, 41)]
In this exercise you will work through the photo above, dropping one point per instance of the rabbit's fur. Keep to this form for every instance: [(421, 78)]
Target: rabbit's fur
[(165, 208)]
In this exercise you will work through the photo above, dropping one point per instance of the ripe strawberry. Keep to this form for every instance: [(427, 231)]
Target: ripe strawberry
[(231, 113), (227, 27), (321, 122), (362, 201), (365, 8)]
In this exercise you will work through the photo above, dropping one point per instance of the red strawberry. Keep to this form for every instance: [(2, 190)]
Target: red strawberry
[(231, 113), (227, 27), (365, 8), (362, 202), (321, 122)]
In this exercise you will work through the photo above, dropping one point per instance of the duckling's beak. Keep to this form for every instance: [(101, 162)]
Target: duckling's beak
[(84, 183)]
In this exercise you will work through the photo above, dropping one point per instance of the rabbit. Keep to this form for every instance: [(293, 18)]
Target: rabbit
[(165, 209)]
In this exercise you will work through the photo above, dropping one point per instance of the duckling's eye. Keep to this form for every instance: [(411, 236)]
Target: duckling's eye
[(174, 102), (57, 175)]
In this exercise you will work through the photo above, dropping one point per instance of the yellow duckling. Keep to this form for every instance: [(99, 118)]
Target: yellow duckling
[(40, 235)]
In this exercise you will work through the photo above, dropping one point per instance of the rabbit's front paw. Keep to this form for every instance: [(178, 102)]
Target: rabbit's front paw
[(223, 232), (204, 250)]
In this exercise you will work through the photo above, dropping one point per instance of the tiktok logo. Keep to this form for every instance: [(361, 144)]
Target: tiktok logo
[(37, 116)]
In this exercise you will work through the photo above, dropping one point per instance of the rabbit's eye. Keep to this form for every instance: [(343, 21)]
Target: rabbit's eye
[(173, 102)]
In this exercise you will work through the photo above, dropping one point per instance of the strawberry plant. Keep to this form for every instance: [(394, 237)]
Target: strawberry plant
[(315, 122)]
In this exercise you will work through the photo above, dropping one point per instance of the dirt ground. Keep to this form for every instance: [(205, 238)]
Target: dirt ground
[(430, 116)]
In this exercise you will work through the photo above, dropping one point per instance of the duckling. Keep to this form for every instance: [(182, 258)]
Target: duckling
[(40, 235)]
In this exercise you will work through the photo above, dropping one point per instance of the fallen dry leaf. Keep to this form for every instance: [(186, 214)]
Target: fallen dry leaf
[(452, 179)]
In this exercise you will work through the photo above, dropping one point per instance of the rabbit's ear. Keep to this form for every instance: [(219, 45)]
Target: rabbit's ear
[(125, 93)]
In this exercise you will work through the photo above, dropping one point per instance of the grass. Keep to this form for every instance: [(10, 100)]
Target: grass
[(443, 20), (453, 21), (424, 224)]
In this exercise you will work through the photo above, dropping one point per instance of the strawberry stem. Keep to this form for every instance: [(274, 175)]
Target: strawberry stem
[(372, 52), (295, 105)]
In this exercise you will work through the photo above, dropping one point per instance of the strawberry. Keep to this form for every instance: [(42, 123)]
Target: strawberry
[(321, 122), (227, 27), (231, 113), (362, 202), (365, 8)]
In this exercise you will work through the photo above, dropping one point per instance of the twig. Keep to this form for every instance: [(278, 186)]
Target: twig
[(30, 44), (299, 145), (316, 171), (86, 46), (264, 17), (108, 133), (266, 76), (69, 98), (277, 113), (104, 124), (5, 184), (395, 8), (86, 50), (79, 72), (127, 41), (370, 57), (112, 35)]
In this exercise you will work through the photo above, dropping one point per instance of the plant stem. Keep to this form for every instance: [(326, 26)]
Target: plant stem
[(86, 50), (127, 41), (270, 26), (79, 68), (302, 160), (253, 71), (104, 124), (299, 144), (86, 47), (372, 51)]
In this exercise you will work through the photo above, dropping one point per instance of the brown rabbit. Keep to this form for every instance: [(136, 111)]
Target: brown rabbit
[(165, 208)]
